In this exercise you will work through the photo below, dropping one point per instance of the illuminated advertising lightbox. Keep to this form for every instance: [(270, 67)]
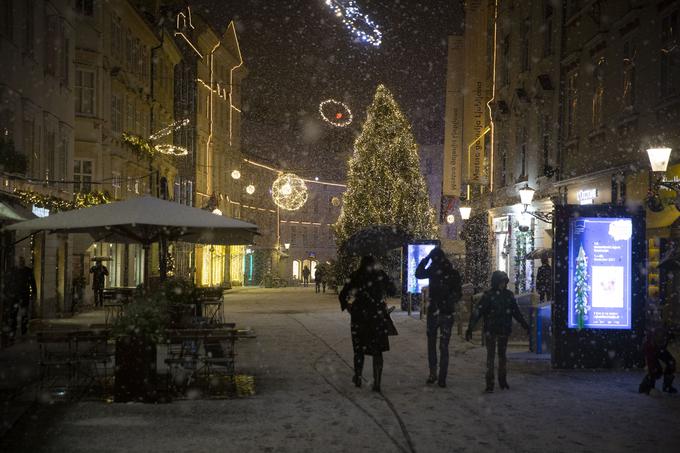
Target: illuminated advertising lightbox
[(600, 273), (416, 252)]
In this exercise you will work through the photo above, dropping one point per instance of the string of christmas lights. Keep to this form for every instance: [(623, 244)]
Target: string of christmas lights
[(169, 129), (359, 24), (335, 113)]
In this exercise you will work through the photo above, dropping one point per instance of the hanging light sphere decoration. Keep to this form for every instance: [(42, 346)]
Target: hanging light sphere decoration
[(289, 192), (250, 189), (335, 113), (236, 174), (172, 150), (335, 201)]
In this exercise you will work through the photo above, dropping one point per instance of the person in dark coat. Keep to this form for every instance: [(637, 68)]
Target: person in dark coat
[(305, 276), (99, 273), (656, 351), (544, 280), (445, 291), (363, 297), (498, 306), (22, 290), (318, 277)]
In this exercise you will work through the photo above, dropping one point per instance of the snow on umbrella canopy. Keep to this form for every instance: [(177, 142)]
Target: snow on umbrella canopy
[(376, 240)]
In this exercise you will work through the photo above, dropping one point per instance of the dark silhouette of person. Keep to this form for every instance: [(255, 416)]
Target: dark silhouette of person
[(318, 278), (22, 291), (99, 273), (363, 297), (656, 351), (544, 280), (445, 291), (498, 306), (305, 276)]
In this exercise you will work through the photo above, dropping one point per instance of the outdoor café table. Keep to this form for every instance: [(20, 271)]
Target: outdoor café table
[(115, 299)]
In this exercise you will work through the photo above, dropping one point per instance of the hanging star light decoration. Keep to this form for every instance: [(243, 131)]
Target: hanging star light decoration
[(359, 24), (169, 129), (289, 192), (335, 113)]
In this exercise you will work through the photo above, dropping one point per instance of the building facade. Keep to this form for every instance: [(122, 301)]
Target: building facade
[(37, 127)]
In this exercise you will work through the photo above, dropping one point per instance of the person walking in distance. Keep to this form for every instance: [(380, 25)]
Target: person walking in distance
[(305, 276), (22, 291), (318, 277), (445, 292), (544, 280), (99, 273), (363, 297), (498, 306)]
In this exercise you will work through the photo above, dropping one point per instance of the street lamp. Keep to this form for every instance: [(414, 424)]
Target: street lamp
[(465, 212), (286, 245), (526, 196), (658, 159)]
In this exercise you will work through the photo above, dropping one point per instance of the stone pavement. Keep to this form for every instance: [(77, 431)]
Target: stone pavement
[(305, 400)]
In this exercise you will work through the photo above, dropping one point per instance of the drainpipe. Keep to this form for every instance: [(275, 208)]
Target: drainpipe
[(162, 241)]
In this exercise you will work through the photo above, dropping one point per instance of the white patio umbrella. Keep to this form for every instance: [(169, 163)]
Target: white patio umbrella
[(145, 220)]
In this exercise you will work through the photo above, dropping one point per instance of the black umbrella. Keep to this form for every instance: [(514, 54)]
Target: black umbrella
[(538, 254), (376, 240)]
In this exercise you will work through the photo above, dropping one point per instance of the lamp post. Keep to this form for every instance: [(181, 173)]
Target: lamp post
[(526, 196)]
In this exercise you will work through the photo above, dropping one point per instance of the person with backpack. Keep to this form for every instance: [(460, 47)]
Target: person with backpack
[(498, 306), (445, 291)]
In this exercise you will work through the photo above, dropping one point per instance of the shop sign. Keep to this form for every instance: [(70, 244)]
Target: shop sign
[(500, 225), (586, 196)]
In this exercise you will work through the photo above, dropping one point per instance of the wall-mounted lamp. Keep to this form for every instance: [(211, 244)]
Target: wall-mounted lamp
[(465, 212), (286, 245), (658, 160), (526, 196)]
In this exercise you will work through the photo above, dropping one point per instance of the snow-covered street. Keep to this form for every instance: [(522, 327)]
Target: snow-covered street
[(305, 400)]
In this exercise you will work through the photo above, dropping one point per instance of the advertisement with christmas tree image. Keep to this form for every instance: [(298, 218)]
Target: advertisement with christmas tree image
[(600, 273), (581, 277)]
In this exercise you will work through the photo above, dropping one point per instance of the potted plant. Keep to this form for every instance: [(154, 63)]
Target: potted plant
[(137, 332), (141, 328)]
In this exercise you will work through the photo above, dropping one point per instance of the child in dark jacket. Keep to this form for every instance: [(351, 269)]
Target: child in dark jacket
[(656, 352), (498, 306)]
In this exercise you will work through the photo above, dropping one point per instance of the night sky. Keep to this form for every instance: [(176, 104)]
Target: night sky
[(298, 53)]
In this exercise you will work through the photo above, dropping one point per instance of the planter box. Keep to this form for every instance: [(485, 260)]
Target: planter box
[(135, 370)]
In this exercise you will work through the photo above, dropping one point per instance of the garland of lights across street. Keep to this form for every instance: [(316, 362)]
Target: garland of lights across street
[(359, 24), (335, 113), (289, 192)]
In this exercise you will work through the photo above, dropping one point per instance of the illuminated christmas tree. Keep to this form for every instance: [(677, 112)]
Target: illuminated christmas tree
[(581, 281), (384, 183)]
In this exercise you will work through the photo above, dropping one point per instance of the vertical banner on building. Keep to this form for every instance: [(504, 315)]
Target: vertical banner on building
[(453, 127)]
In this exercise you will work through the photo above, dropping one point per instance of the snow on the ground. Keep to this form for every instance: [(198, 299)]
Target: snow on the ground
[(305, 400)]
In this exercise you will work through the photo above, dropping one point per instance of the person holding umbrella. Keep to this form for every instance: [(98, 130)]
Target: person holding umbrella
[(363, 297), (99, 273)]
